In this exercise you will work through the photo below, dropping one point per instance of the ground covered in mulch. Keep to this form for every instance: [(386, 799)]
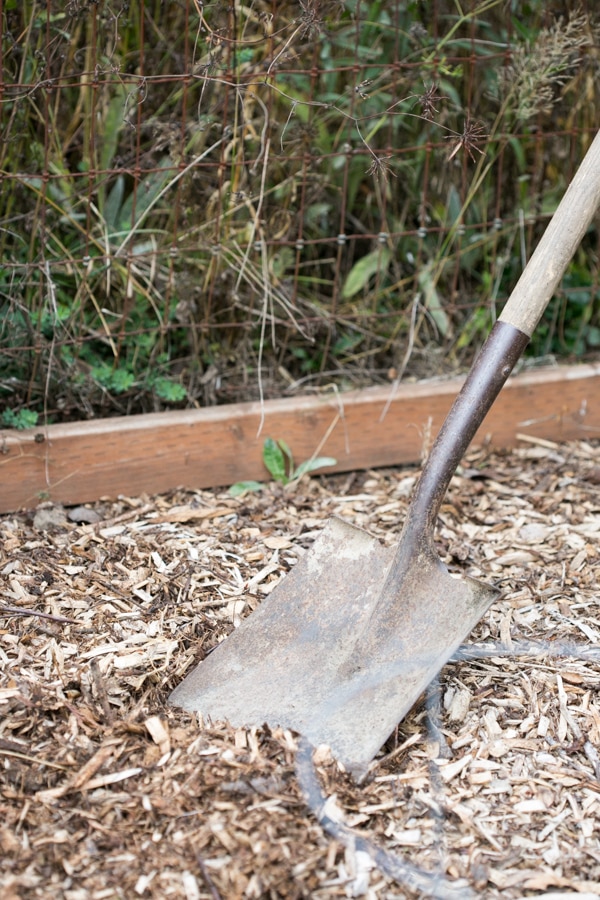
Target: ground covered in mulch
[(491, 784)]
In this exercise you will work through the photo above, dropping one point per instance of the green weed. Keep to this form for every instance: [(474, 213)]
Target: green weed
[(279, 462), (19, 419)]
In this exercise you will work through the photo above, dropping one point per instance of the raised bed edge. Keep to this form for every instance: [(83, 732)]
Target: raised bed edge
[(217, 446)]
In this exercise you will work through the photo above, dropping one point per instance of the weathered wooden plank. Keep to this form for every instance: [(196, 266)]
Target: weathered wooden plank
[(83, 461)]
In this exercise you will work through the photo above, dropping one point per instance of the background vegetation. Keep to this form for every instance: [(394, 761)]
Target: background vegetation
[(211, 202)]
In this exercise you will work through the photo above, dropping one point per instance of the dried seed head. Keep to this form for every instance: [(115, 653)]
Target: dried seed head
[(314, 12), (418, 33), (472, 135), (360, 89), (379, 167), (529, 84), (311, 21), (428, 101)]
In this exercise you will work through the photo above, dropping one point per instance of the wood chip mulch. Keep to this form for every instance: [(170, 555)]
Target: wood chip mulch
[(490, 787)]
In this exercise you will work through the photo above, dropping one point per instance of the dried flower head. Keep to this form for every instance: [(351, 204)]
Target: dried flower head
[(361, 89), (418, 33), (428, 101), (529, 84), (311, 20), (472, 135), (313, 15), (379, 167)]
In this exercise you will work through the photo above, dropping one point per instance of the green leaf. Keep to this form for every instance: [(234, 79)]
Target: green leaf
[(274, 460), (171, 391), (593, 336), (111, 127), (453, 205), (346, 343), (283, 445), (360, 273), (19, 419), (281, 261), (432, 301), (122, 380), (518, 150), (147, 193), (375, 128), (244, 487), (310, 465), (116, 380), (113, 203)]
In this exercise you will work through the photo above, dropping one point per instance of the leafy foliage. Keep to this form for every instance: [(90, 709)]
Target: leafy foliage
[(278, 459), (19, 419), (329, 192), (279, 462)]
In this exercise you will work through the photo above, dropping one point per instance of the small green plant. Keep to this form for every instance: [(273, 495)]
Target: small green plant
[(168, 390), (19, 418), (279, 462), (278, 459)]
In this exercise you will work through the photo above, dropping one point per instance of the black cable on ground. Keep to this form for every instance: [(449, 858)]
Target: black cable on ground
[(426, 883)]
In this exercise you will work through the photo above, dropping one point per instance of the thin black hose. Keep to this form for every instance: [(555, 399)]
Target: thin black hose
[(426, 883)]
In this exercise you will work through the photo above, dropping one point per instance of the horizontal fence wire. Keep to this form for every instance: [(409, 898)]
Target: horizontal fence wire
[(209, 202)]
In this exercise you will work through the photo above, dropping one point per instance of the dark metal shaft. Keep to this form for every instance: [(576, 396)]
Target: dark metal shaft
[(490, 370)]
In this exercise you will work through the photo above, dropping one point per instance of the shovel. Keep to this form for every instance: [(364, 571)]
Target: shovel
[(344, 646)]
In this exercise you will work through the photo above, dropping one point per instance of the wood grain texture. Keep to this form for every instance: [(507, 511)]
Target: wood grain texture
[(84, 461)]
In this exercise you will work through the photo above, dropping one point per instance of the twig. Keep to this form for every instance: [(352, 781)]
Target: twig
[(33, 759), (409, 349), (16, 611), (592, 755)]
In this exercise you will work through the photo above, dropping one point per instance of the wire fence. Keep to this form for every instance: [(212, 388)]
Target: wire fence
[(208, 202)]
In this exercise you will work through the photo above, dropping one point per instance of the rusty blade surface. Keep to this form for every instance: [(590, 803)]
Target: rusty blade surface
[(294, 661)]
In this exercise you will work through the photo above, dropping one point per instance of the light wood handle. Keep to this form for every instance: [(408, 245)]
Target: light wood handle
[(555, 250)]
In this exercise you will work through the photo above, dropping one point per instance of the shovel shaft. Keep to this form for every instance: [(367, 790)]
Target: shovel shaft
[(490, 370), (559, 242), (504, 346)]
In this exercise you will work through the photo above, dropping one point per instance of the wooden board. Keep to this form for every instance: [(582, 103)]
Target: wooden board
[(84, 461)]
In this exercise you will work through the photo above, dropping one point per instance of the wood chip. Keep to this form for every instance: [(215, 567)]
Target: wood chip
[(107, 791)]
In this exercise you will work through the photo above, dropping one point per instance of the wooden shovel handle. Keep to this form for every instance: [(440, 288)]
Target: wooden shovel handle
[(504, 346), (556, 248)]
